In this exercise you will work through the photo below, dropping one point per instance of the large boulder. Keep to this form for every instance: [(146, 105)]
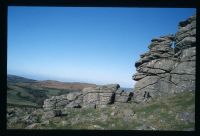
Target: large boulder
[(99, 96), (73, 100), (55, 105)]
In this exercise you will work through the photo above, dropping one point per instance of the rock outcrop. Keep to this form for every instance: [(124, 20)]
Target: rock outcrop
[(104, 95), (165, 70), (95, 97), (73, 100), (183, 73), (99, 96), (53, 107)]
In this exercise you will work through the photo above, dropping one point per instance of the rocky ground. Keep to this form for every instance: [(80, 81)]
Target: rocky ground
[(169, 113)]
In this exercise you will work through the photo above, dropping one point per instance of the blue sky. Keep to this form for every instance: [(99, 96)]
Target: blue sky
[(94, 45)]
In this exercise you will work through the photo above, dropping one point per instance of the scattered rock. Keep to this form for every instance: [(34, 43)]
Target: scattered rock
[(145, 127), (30, 119), (64, 123), (48, 115), (32, 126), (112, 125), (128, 113), (113, 113), (187, 116), (97, 127), (46, 122), (104, 117)]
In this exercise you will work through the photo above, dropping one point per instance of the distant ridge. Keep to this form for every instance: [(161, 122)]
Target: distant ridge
[(16, 79), (49, 83)]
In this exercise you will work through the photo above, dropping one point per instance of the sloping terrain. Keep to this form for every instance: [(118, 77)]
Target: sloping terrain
[(23, 91), (169, 113)]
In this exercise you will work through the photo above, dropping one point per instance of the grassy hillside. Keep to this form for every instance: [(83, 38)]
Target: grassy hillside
[(164, 114), (170, 113), (27, 92), (30, 96)]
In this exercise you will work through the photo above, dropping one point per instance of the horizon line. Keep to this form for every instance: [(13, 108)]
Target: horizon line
[(64, 81)]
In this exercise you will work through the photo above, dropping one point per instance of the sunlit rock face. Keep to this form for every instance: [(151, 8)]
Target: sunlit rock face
[(165, 70)]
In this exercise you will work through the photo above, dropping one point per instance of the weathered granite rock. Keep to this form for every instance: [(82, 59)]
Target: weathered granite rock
[(123, 97), (51, 113), (159, 48), (99, 96), (183, 73), (25, 115), (30, 119), (57, 104), (153, 75), (48, 114), (32, 126), (73, 100), (165, 70), (186, 35), (187, 116)]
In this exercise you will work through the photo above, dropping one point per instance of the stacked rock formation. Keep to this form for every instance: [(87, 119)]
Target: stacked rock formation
[(183, 73), (104, 95), (165, 70), (99, 96)]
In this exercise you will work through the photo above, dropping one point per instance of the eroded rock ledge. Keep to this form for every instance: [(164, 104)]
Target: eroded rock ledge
[(95, 97), (164, 69)]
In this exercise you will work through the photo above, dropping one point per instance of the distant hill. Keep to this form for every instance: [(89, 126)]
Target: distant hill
[(24, 91), (13, 79), (63, 85), (18, 79)]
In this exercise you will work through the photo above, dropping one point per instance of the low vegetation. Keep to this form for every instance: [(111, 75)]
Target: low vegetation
[(169, 113)]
